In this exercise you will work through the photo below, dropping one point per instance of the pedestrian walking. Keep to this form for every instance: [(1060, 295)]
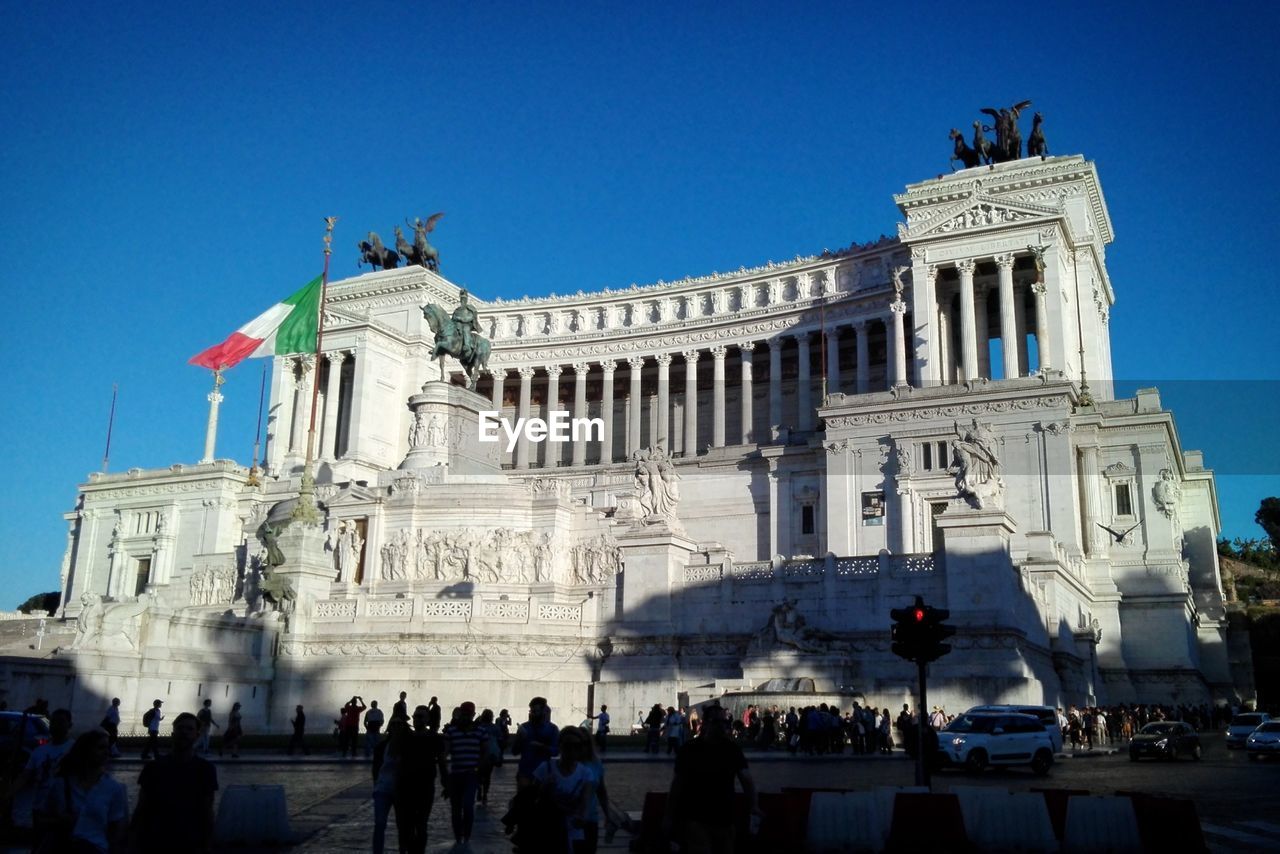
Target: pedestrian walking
[(415, 787), (175, 796), (700, 803), (463, 742), (387, 757), (111, 725), (298, 739), (373, 720), (204, 718), (602, 728), (151, 720), (235, 731), (87, 808)]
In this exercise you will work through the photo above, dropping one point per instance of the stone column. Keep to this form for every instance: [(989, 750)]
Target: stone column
[(1020, 327), (804, 384), (690, 402), (863, 329), (982, 329), (302, 409), (775, 383), (943, 350), (279, 413), (1097, 541), (332, 399), (924, 308), (580, 371), (1042, 327), (211, 428), (717, 396), (499, 377), (968, 324), (526, 397), (745, 349), (773, 507), (898, 309), (833, 361), (636, 364), (551, 455), (1008, 321), (664, 400), (606, 410)]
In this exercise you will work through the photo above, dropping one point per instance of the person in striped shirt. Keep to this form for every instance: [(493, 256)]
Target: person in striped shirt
[(464, 743)]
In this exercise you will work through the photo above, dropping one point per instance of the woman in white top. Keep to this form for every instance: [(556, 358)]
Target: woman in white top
[(89, 807)]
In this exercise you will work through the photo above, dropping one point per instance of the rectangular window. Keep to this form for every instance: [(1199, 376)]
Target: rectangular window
[(806, 519), (144, 575), (926, 458), (1124, 503), (873, 508)]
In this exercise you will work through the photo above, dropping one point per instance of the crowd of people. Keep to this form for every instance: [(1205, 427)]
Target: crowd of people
[(78, 806), (561, 799)]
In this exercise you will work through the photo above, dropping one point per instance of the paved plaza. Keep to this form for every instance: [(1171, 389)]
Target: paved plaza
[(330, 809)]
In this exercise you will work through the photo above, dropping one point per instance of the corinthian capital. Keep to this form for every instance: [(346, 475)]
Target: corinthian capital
[(965, 267)]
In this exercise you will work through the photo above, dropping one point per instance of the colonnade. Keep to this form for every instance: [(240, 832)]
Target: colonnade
[(291, 407), (963, 347), (643, 412)]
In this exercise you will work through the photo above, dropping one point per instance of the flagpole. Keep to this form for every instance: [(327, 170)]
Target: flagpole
[(257, 431), (111, 420), (306, 510)]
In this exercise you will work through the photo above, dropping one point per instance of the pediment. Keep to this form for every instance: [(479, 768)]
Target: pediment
[(979, 212), (353, 493)]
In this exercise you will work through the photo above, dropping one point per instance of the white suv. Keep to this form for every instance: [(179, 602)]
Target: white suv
[(976, 740), (1045, 714)]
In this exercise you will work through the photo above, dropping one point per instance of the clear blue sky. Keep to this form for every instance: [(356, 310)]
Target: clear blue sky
[(166, 169)]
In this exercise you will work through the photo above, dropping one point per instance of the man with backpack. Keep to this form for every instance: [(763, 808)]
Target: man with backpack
[(151, 720)]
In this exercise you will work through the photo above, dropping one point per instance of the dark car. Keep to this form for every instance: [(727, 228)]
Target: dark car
[(1165, 740), (15, 744)]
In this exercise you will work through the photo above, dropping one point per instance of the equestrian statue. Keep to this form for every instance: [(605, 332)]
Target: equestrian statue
[(458, 335)]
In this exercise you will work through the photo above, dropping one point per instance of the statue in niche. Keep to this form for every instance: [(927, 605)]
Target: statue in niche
[(657, 484), (978, 476), (435, 433)]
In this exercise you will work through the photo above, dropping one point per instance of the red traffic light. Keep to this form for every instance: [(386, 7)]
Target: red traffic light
[(918, 615)]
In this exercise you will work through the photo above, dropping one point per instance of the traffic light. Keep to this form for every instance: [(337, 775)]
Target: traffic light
[(918, 632), (908, 623)]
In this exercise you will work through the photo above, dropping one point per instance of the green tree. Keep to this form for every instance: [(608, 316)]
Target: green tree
[(1268, 516), (42, 602)]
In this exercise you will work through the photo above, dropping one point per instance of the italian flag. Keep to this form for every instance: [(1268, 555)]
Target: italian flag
[(289, 326)]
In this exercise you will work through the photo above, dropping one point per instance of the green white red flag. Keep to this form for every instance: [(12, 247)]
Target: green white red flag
[(289, 326)]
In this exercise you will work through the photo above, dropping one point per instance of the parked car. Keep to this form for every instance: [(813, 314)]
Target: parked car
[(1264, 741), (977, 740), (1242, 725), (15, 744), (1045, 714), (1165, 740)]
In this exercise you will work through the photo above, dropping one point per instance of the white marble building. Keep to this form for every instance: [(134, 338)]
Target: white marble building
[(927, 414)]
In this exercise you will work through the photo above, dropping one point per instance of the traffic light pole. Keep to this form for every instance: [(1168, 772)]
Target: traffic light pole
[(922, 765)]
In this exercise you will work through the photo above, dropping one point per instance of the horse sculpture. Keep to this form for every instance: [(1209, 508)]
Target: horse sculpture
[(375, 254), (966, 155), (449, 341), (277, 592), (1037, 146)]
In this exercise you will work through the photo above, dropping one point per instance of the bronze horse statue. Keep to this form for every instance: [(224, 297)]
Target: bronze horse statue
[(962, 152), (375, 254), (1037, 146), (449, 341)]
